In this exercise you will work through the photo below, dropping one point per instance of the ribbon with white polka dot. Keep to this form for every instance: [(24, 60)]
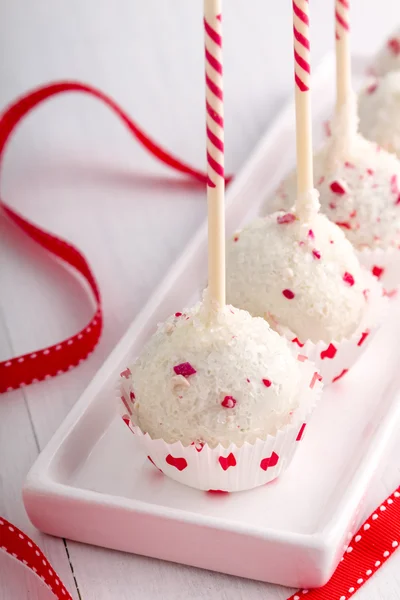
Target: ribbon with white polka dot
[(22, 548), (370, 548), (64, 356)]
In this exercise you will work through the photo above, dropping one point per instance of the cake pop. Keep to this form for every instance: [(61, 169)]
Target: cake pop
[(388, 57), (359, 192), (214, 377), (301, 274), (379, 111)]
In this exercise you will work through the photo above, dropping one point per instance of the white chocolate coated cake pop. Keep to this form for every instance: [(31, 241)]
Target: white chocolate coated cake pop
[(388, 58), (359, 192), (379, 111), (214, 377), (298, 274)]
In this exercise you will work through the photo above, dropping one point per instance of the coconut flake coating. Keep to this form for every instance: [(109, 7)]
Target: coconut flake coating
[(388, 58), (360, 193), (214, 378), (301, 276), (379, 111)]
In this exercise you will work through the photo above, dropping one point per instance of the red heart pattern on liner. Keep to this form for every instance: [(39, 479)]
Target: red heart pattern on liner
[(227, 461), (342, 374), (178, 463), (301, 433), (363, 337), (271, 461), (330, 352)]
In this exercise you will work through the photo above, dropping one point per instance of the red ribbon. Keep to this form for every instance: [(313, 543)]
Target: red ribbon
[(21, 547), (59, 358)]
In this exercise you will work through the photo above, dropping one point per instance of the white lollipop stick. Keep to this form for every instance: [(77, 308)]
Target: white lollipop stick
[(307, 199), (215, 151), (343, 59)]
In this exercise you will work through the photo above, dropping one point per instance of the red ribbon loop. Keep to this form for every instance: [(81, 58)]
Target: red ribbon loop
[(54, 360)]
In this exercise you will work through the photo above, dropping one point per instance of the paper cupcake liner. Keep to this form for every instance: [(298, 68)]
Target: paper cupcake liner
[(384, 266), (335, 359), (230, 469)]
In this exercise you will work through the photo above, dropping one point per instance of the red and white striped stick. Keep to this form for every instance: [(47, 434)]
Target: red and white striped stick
[(215, 151), (343, 60), (301, 40)]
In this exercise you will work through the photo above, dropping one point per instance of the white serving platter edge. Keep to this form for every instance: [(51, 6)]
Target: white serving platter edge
[(92, 484)]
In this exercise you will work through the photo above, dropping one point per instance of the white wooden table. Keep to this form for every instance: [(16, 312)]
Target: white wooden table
[(73, 169)]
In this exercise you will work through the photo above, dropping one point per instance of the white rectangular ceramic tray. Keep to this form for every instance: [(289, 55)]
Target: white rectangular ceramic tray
[(91, 485)]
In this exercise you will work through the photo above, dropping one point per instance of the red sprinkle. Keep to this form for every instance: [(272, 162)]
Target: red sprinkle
[(348, 165), (331, 242), (321, 180), (370, 171), (343, 224), (377, 271), (178, 314), (327, 128), (198, 445), (316, 254), (132, 396), (372, 88), (394, 185), (127, 373), (248, 380), (287, 218), (337, 188), (297, 341), (235, 238), (228, 402), (332, 205), (398, 200), (184, 369), (267, 382), (311, 234), (288, 294), (394, 46), (348, 278), (353, 214)]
